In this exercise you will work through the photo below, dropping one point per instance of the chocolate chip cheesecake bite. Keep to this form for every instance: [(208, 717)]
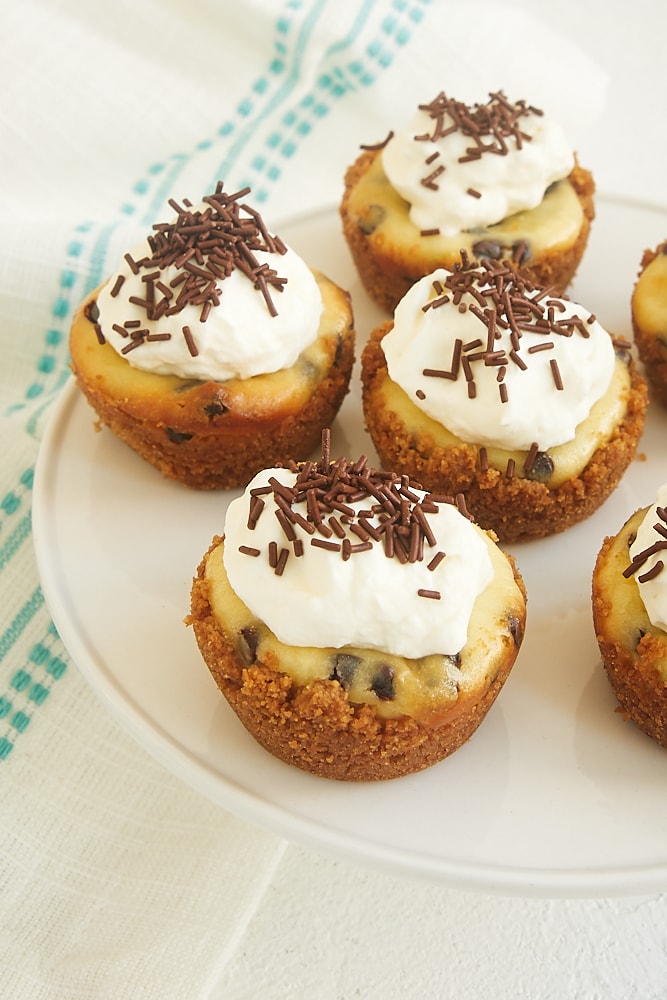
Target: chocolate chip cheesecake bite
[(649, 318), (215, 350), (629, 596), (488, 385), (359, 626), (498, 180)]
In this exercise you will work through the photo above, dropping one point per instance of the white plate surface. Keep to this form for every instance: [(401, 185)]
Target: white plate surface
[(555, 794)]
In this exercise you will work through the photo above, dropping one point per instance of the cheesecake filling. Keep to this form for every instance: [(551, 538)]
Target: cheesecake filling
[(648, 554), (649, 300)]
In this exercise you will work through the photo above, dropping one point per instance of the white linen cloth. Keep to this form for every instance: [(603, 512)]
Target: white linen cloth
[(116, 880)]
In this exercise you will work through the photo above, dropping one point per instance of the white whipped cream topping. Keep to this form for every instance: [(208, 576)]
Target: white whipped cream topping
[(240, 337), (652, 592), (504, 184), (535, 409), (368, 600)]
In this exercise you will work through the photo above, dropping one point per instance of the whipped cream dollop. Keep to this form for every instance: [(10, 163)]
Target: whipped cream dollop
[(342, 590), (496, 360), (211, 295), (461, 166), (650, 574)]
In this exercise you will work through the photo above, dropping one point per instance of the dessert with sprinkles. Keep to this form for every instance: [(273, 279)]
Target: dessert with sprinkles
[(649, 318), (215, 350), (629, 597), (498, 180), (489, 385), (359, 626)]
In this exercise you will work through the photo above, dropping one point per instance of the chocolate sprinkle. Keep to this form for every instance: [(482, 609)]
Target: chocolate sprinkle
[(493, 128), (389, 512), (205, 246), (434, 594), (642, 557), (282, 559), (653, 572), (190, 341), (436, 560), (531, 456), (555, 371), (378, 145), (503, 300)]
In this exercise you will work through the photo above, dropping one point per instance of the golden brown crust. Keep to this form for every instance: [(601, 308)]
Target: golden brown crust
[(388, 271), (315, 727), (632, 656), (515, 508), (651, 347), (217, 435)]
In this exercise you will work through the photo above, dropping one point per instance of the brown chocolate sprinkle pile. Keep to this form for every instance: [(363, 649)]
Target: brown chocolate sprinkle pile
[(204, 246), (504, 301), (320, 503), (494, 127), (660, 528)]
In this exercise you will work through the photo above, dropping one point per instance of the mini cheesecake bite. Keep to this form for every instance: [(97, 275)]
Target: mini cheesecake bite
[(359, 626), (214, 350), (498, 180), (488, 385), (649, 318), (629, 596)]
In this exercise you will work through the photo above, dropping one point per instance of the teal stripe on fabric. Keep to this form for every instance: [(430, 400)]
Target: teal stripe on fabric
[(335, 82), (13, 499), (12, 507), (49, 366), (97, 258), (246, 133), (10, 547), (22, 619), (30, 687), (38, 412), (245, 105)]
